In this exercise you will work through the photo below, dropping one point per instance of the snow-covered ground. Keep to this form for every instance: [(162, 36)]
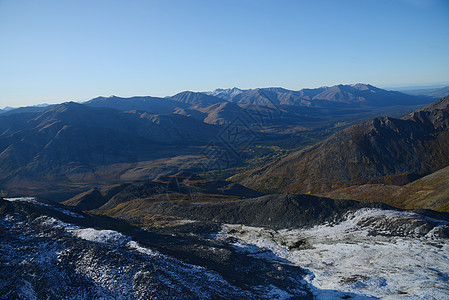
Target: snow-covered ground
[(53, 258), (36, 201), (373, 253)]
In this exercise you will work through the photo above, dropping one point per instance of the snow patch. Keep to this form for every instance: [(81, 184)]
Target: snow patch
[(100, 236), (88, 234), (53, 222), (24, 199), (347, 258), (135, 246), (34, 200)]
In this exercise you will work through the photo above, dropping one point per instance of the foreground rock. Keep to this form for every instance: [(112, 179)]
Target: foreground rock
[(48, 253)]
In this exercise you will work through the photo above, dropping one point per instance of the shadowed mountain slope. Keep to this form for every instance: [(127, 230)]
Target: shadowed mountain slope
[(384, 150), (148, 104), (166, 187), (209, 109), (95, 198), (70, 141), (277, 211)]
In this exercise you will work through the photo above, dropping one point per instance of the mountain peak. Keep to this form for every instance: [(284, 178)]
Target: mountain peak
[(190, 97), (226, 94), (103, 98), (363, 86), (65, 106)]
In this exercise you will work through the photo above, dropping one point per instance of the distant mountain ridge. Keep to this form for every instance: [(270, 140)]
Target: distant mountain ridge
[(339, 95), (335, 96), (222, 106), (355, 94), (429, 92)]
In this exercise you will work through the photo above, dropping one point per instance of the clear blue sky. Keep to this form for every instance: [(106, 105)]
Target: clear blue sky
[(55, 51)]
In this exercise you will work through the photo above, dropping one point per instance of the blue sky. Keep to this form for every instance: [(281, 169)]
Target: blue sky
[(56, 51)]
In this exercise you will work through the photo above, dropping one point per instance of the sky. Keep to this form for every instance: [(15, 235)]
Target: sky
[(56, 51)]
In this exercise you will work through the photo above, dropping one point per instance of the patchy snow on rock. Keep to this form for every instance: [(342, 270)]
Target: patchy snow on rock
[(135, 246), (34, 200), (53, 222), (373, 253), (69, 213), (46, 258), (100, 236), (24, 199), (88, 234)]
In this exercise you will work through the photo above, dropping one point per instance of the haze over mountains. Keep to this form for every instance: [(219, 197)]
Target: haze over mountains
[(430, 92)]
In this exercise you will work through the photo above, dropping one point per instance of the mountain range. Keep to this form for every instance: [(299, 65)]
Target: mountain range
[(274, 104), (339, 95), (355, 95), (107, 140)]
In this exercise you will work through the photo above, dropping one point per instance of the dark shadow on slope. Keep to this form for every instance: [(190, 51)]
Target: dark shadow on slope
[(275, 211)]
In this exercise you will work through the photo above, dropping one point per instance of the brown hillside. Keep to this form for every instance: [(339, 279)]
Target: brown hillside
[(381, 150)]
